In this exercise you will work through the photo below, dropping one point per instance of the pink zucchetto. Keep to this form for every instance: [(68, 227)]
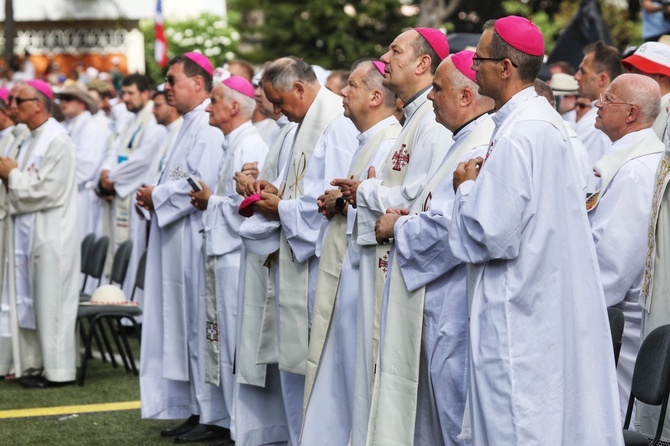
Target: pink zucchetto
[(436, 39), (381, 66), (463, 61), (521, 34), (202, 61), (4, 94), (42, 87), (238, 83)]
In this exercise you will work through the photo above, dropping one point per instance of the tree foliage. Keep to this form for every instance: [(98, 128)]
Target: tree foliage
[(331, 33), (214, 36)]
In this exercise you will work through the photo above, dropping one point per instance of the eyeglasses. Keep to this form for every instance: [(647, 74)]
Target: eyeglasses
[(19, 101), (477, 61), (173, 80), (604, 101)]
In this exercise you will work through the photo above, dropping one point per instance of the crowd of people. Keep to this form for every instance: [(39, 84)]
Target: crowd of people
[(420, 250)]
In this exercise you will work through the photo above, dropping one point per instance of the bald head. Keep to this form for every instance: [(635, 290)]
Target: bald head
[(630, 103), (641, 91)]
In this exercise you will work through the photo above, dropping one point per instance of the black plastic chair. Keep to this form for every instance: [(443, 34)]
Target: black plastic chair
[(615, 316), (114, 314), (86, 247), (651, 383), (94, 264)]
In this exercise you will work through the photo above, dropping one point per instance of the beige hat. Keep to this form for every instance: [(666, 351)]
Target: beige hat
[(563, 84), (109, 295), (78, 93)]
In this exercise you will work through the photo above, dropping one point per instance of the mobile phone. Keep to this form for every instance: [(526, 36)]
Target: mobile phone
[(195, 185)]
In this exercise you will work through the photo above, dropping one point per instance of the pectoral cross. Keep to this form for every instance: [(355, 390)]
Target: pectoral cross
[(400, 158)]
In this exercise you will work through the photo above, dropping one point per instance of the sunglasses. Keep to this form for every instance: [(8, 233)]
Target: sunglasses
[(171, 80), (19, 101)]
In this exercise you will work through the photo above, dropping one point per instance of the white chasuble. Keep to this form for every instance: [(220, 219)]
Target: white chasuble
[(538, 322), (332, 256), (403, 316), (294, 271), (419, 148)]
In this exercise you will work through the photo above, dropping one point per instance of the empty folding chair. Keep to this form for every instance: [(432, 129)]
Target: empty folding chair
[(651, 383)]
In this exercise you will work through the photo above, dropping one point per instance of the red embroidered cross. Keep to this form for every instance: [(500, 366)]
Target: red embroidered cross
[(384, 262), (400, 158)]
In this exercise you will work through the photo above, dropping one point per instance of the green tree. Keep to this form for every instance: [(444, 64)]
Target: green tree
[(214, 36), (330, 33)]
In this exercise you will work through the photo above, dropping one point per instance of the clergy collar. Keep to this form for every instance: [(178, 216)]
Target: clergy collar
[(513, 102), (196, 110), (629, 138), (455, 136), (40, 128), (364, 137), (232, 136), (282, 121), (416, 101)]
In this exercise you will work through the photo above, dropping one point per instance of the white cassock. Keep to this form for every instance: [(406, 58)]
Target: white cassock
[(129, 163), (419, 148), (140, 218), (323, 148), (595, 141), (619, 222), (422, 383), (171, 382), (90, 146), (656, 286), (268, 129), (26, 337), (222, 257), (330, 368), (259, 411), (541, 358), (660, 125), (103, 121), (42, 275)]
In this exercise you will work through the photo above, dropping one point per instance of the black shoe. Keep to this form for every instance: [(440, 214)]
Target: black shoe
[(183, 428), (228, 442), (40, 382), (204, 432)]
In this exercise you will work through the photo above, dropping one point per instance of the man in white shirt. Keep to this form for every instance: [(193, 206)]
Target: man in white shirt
[(41, 280), (330, 364), (619, 212), (171, 383), (541, 357), (411, 61), (232, 104), (90, 144), (323, 147), (425, 322)]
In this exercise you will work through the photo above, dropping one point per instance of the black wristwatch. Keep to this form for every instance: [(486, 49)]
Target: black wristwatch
[(340, 204)]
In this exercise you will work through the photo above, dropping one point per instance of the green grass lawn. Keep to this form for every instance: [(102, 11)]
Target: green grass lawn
[(104, 384)]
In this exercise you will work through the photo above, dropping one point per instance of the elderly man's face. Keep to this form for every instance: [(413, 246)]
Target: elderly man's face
[(356, 95), (287, 102), (220, 108), (612, 112), (446, 97), (400, 61)]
